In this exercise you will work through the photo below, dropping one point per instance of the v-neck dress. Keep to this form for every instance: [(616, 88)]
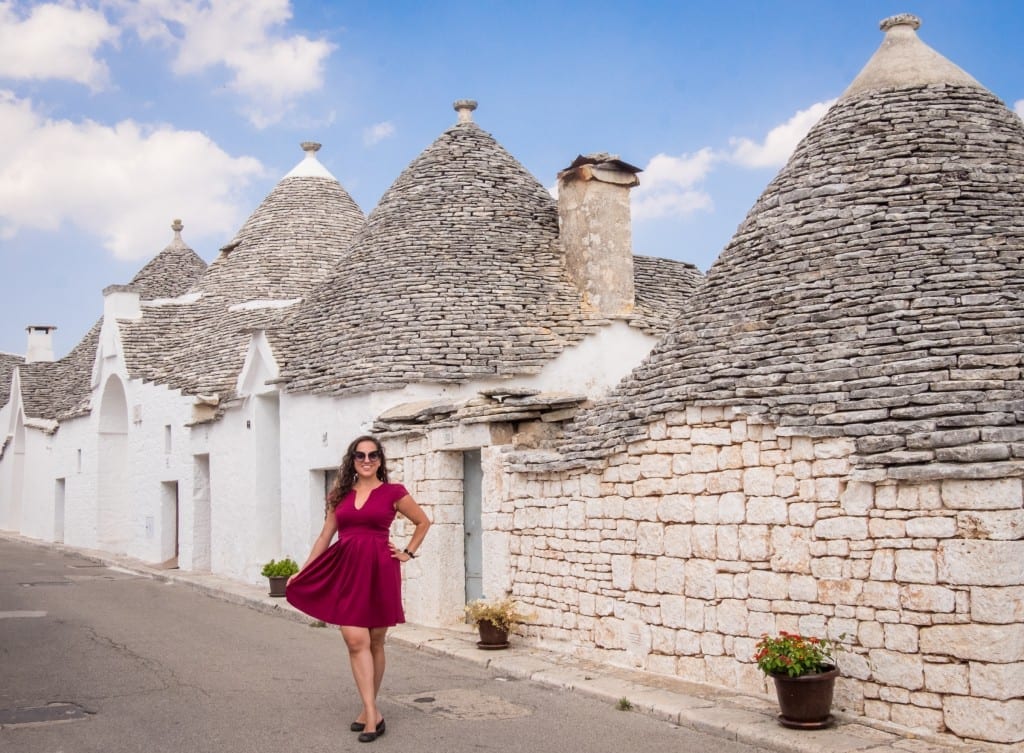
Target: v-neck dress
[(356, 581)]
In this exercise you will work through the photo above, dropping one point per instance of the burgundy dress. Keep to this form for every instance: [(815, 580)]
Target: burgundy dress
[(356, 581)]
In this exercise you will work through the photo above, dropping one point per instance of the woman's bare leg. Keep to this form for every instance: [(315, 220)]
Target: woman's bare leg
[(377, 636), (358, 642)]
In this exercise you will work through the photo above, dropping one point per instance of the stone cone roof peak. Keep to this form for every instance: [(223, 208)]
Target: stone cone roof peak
[(170, 272), (291, 241), (310, 166), (464, 107), (177, 227), (904, 61)]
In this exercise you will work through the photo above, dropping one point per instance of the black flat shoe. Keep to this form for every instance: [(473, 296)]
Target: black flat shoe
[(357, 726), (369, 737)]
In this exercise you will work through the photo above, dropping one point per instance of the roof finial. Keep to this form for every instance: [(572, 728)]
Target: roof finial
[(903, 19), (310, 166), (177, 227), (465, 107)]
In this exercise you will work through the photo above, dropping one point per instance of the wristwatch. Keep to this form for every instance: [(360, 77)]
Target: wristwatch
[(411, 555)]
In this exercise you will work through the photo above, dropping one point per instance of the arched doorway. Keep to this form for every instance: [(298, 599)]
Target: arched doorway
[(114, 524)]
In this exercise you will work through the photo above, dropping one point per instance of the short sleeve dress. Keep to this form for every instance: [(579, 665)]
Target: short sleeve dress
[(356, 581)]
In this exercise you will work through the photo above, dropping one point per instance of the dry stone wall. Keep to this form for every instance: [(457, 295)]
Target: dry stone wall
[(433, 585), (717, 527)]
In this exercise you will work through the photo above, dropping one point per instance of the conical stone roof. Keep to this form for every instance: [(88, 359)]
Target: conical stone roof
[(171, 272), (62, 389), (291, 242), (873, 291), (457, 275), (288, 246)]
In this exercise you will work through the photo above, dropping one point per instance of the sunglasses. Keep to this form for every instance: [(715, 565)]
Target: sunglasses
[(372, 455)]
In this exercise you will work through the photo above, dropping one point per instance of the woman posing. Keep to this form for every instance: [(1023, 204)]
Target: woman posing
[(356, 583)]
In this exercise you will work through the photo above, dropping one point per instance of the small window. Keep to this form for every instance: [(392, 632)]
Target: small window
[(167, 439)]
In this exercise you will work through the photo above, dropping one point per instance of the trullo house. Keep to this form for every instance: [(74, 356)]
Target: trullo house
[(821, 436)]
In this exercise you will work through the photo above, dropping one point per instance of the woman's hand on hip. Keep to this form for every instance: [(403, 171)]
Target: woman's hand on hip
[(399, 554)]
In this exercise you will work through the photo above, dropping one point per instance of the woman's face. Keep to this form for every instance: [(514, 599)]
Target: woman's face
[(366, 459)]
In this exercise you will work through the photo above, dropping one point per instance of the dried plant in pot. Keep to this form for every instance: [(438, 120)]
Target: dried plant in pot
[(278, 572), (494, 619), (804, 671)]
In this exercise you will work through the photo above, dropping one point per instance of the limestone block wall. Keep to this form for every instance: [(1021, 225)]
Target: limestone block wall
[(433, 583), (716, 528)]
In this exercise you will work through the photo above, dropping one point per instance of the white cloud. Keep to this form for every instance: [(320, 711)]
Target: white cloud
[(1018, 107), (55, 42), (670, 186), (120, 183), (674, 186), (780, 141), (271, 71), (378, 132)]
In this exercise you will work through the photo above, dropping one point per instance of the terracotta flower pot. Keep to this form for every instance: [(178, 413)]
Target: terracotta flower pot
[(491, 636), (805, 702), (277, 584)]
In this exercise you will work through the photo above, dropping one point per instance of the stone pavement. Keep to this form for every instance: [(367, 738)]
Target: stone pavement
[(713, 710)]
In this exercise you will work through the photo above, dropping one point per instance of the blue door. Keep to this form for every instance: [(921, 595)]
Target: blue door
[(472, 492)]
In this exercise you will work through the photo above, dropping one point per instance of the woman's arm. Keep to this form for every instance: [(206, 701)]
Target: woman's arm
[(408, 507), (322, 541)]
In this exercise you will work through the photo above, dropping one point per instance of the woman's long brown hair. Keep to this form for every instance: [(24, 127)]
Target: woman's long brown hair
[(346, 476)]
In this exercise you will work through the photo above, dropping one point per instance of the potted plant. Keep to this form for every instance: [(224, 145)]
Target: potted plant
[(804, 671), (278, 572), (494, 619)]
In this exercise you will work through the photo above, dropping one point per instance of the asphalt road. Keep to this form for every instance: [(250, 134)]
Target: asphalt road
[(93, 659)]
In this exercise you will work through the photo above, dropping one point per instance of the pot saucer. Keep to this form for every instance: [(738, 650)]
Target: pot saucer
[(491, 646), (793, 724)]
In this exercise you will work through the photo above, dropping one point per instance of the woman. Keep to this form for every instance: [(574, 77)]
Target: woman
[(357, 582)]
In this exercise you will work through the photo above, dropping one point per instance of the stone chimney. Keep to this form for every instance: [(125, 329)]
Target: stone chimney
[(593, 213), (40, 343), (121, 302)]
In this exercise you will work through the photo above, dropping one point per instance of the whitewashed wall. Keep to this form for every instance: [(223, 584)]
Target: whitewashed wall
[(594, 366), (75, 461), (158, 459), (36, 519), (245, 499), (11, 465)]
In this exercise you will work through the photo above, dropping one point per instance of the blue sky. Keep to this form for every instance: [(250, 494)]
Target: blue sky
[(117, 117)]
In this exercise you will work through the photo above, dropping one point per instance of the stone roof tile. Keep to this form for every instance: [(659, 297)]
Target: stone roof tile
[(8, 362), (662, 287)]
